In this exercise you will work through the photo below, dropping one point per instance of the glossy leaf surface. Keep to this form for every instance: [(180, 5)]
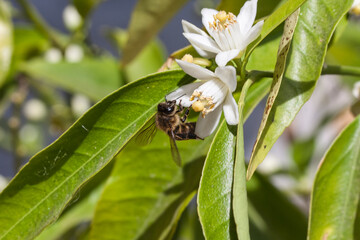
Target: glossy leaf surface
[(54, 175), (94, 78), (336, 190), (147, 19), (303, 69), (274, 20), (82, 212), (214, 197), (147, 191), (284, 47)]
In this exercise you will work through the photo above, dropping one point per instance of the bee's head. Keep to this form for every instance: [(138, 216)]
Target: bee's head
[(168, 107)]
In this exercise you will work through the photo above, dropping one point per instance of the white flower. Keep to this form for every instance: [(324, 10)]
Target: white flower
[(230, 35), (72, 18), (74, 53), (211, 95), (355, 3), (356, 90), (53, 55), (355, 8)]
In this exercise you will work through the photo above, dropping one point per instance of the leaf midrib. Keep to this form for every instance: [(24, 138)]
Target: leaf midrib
[(69, 177)]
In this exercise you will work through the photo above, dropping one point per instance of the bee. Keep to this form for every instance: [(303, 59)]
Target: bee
[(169, 120)]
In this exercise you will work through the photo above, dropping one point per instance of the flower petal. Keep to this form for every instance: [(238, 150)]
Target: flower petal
[(227, 75), (185, 90), (191, 28), (196, 71), (223, 58), (208, 17), (231, 111), (203, 42), (247, 16), (253, 33), (205, 126)]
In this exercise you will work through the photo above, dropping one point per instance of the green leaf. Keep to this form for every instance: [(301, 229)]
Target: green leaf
[(214, 197), (302, 71), (274, 20), (272, 211), (37, 195), (149, 60), (84, 7), (240, 203), (6, 40), (147, 20), (336, 190), (147, 192), (346, 51), (263, 58), (82, 212), (285, 42), (94, 78)]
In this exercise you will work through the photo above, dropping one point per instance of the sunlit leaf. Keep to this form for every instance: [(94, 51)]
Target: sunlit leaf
[(239, 196), (147, 192), (336, 190), (346, 51), (285, 42), (82, 212), (274, 20), (302, 71), (214, 197), (94, 78), (53, 176), (148, 18)]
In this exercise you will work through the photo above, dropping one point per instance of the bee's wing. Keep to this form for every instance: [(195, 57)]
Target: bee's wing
[(146, 135), (174, 150)]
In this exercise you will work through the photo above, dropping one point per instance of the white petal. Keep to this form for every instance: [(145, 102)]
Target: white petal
[(223, 58), (191, 28), (196, 71), (227, 75), (204, 54), (208, 17), (202, 42), (184, 101), (253, 33), (231, 111), (187, 89), (205, 126), (247, 16)]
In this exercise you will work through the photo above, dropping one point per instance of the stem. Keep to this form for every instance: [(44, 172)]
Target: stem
[(341, 70), (14, 122), (40, 24)]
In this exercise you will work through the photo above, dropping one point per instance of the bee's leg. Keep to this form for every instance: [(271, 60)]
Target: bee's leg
[(181, 108), (183, 118)]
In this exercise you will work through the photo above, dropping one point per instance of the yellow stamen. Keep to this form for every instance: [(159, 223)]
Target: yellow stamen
[(221, 16), (222, 20), (202, 104), (356, 10), (188, 58), (198, 106)]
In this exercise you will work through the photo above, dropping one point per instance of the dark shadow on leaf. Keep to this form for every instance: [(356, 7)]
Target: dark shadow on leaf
[(191, 179)]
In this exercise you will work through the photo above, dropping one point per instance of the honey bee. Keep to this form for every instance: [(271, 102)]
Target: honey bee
[(169, 120)]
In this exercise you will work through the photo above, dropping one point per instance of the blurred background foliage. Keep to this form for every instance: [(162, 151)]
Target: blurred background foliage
[(52, 72)]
